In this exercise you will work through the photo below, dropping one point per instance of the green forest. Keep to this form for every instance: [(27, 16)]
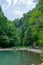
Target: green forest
[(26, 31)]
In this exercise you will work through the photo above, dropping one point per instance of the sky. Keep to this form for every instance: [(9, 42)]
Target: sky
[(15, 8)]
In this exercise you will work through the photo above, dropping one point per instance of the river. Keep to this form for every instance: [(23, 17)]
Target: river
[(19, 58)]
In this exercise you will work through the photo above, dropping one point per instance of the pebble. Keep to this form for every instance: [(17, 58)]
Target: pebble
[(41, 64), (33, 64)]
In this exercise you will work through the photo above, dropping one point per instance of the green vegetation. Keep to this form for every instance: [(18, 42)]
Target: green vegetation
[(26, 31), (8, 36)]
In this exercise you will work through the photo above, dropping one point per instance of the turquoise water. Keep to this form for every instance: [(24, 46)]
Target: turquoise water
[(19, 58)]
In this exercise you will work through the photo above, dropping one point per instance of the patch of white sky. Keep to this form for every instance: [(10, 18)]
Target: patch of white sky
[(15, 8)]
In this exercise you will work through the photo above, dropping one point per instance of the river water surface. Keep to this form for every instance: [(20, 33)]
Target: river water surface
[(19, 58)]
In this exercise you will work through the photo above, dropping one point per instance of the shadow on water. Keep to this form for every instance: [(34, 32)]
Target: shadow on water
[(19, 58)]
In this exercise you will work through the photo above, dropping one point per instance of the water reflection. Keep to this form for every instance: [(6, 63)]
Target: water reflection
[(19, 58)]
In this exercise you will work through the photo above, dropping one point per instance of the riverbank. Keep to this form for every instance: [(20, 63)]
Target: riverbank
[(22, 48)]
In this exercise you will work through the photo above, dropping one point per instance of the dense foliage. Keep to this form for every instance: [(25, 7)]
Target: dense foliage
[(30, 26), (8, 36), (26, 31)]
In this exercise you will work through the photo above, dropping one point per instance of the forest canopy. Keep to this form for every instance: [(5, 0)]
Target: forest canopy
[(26, 31)]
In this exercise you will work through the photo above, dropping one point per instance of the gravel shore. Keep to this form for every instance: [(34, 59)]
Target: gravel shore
[(28, 49)]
